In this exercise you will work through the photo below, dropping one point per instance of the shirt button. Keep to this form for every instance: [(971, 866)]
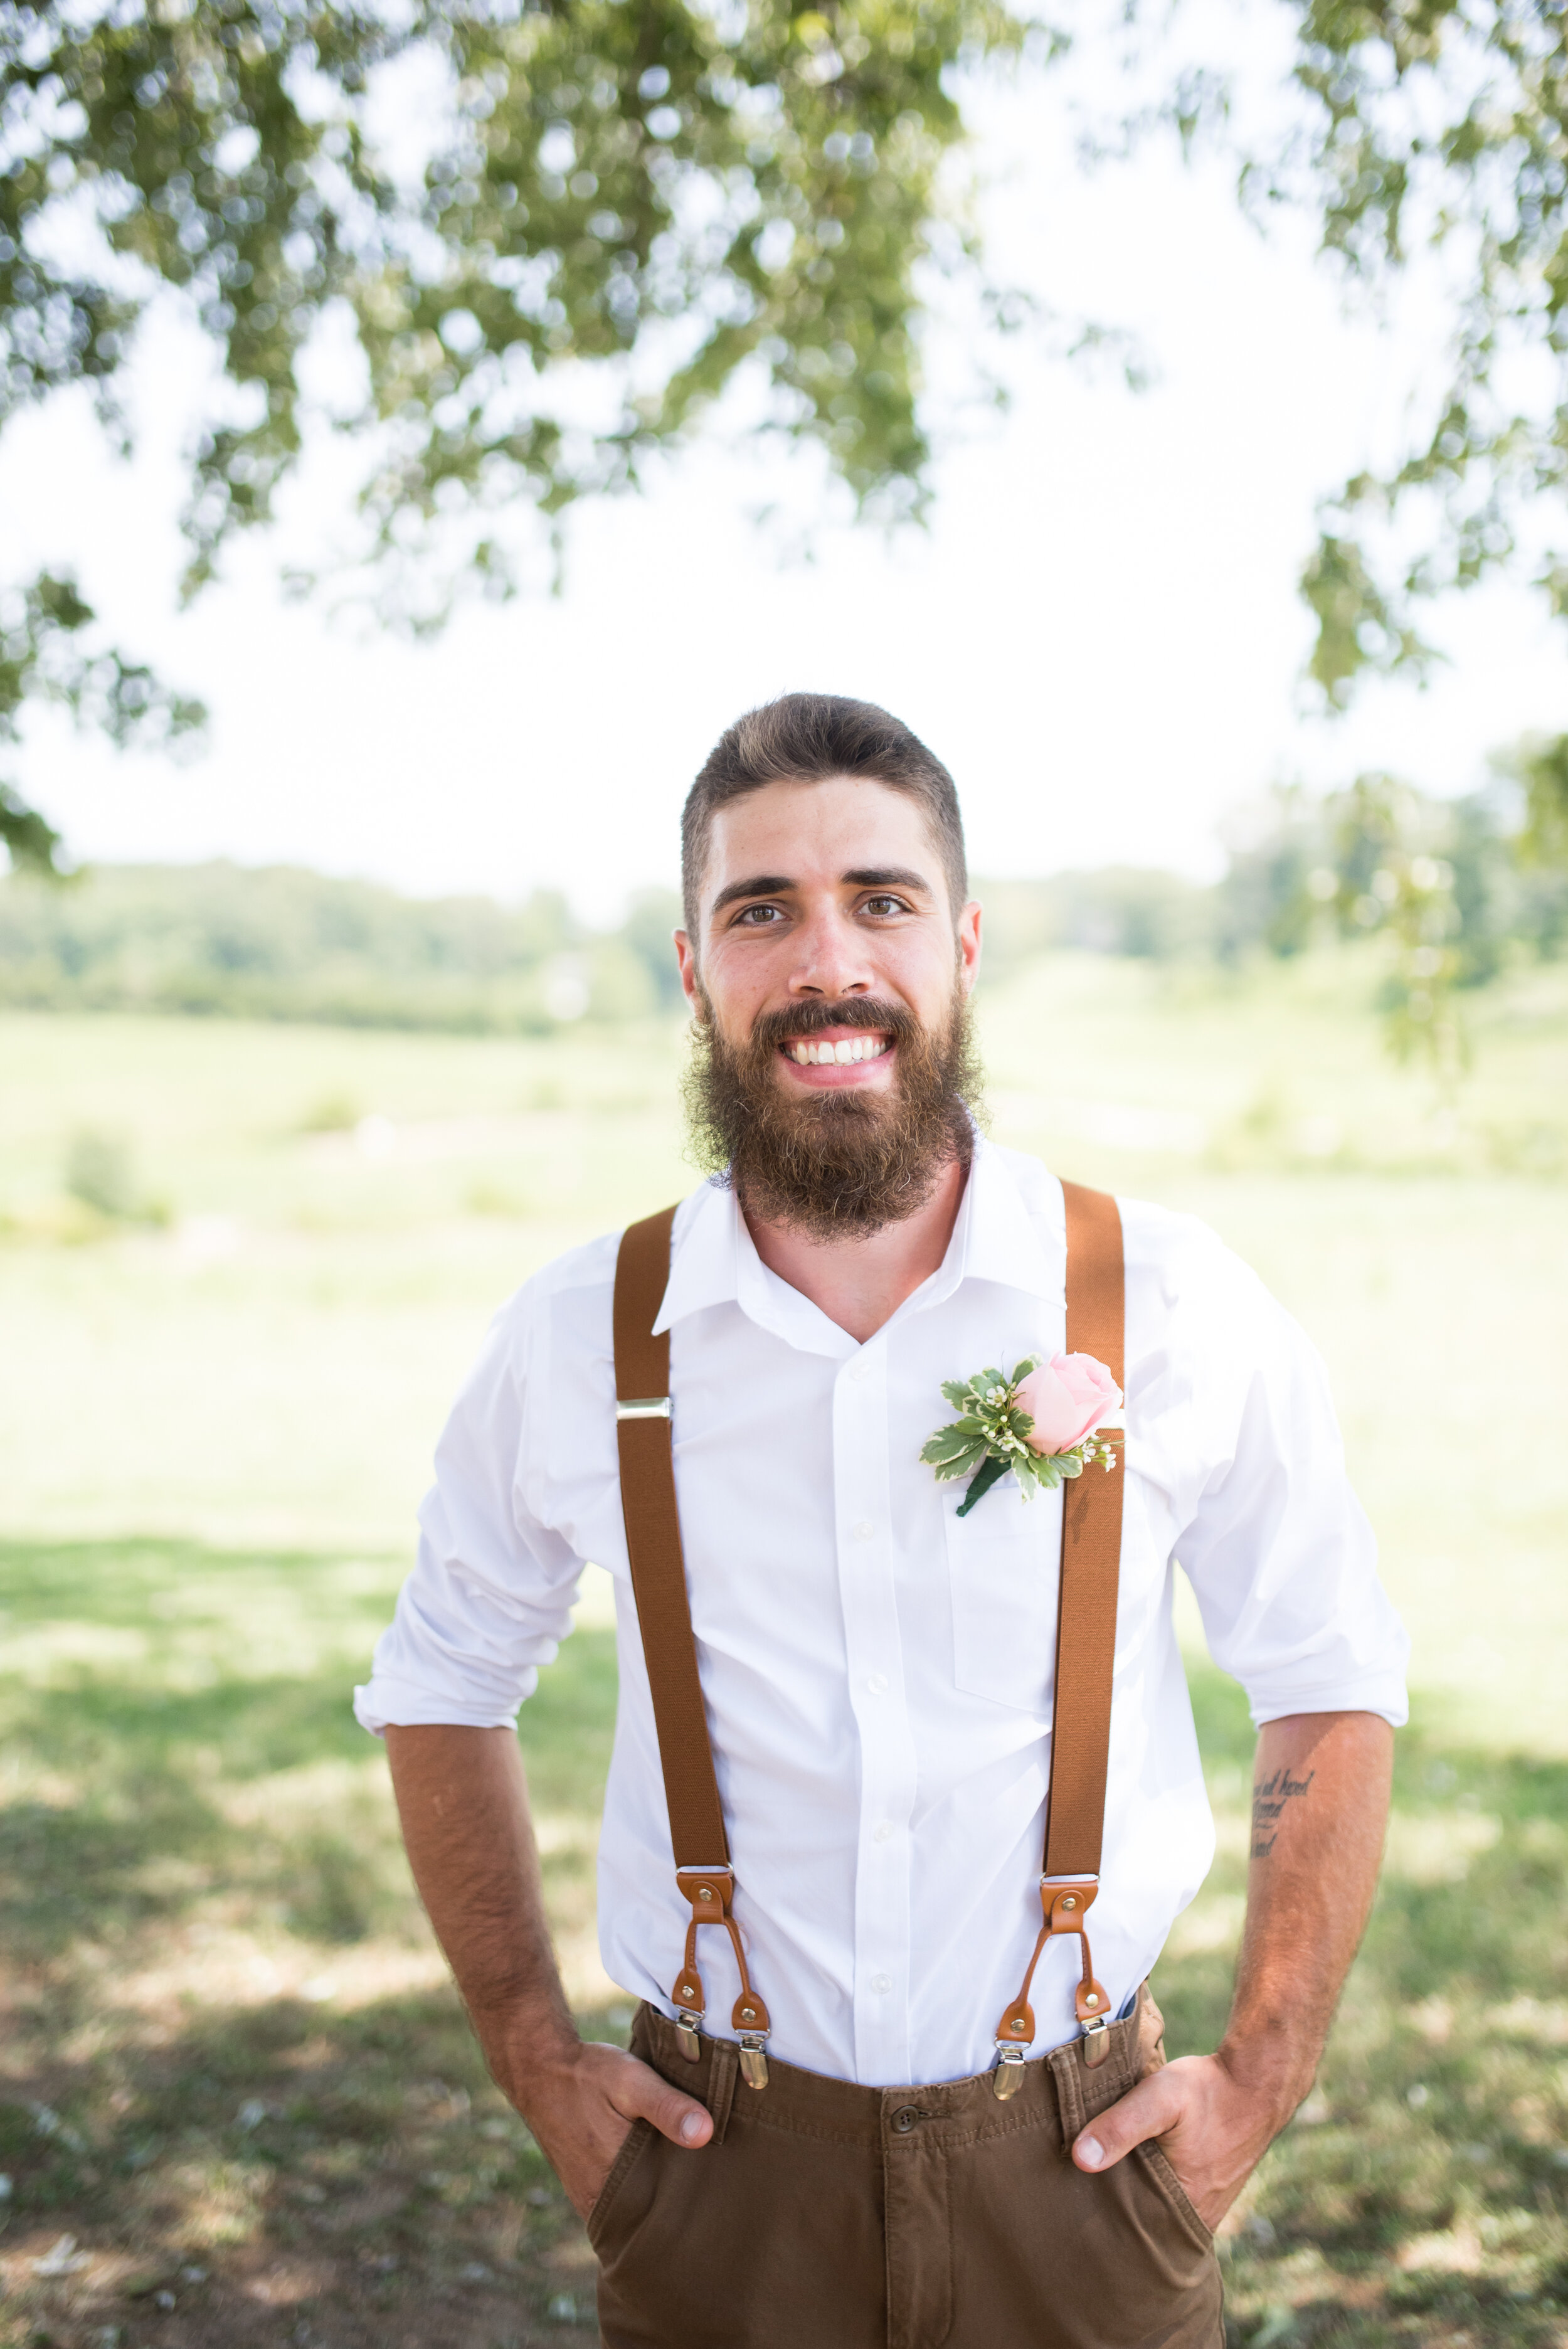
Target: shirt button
[(884, 1831), (857, 1371), (862, 1529), (877, 1683), (882, 1984)]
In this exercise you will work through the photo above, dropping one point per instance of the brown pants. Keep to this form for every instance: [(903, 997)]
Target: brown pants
[(826, 2216)]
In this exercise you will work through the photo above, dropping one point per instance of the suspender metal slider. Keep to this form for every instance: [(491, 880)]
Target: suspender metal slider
[(1009, 2077)]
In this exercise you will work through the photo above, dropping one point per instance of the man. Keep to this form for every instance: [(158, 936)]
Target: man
[(877, 1668)]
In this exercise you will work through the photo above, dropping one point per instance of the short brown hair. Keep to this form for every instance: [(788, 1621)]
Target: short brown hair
[(808, 738)]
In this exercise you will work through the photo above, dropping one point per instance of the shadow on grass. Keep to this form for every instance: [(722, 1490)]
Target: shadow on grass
[(131, 1810), (1419, 2198), (353, 2178), (1422, 2195)]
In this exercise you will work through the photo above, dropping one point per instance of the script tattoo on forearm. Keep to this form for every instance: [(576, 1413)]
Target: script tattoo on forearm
[(1269, 1796)]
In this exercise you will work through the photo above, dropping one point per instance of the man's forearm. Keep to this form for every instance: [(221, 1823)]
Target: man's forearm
[(463, 1802), (1320, 1806)]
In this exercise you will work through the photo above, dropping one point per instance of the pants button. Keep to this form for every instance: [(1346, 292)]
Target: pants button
[(904, 2120)]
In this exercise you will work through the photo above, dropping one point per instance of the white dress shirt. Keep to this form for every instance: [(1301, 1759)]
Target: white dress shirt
[(878, 1671)]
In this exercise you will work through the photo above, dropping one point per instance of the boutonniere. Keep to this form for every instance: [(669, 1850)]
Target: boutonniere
[(1043, 1421)]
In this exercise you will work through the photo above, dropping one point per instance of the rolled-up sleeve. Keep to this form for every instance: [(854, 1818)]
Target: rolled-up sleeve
[(1278, 1549), (491, 1596)]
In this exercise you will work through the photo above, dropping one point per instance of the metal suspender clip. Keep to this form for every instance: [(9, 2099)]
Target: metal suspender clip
[(1009, 2077)]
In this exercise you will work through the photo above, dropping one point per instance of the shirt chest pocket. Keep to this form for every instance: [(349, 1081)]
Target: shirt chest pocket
[(1003, 1567)]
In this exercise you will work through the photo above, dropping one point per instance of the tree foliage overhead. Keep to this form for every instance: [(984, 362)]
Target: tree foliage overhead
[(551, 234), (49, 652), (1439, 132), (617, 203), (555, 230)]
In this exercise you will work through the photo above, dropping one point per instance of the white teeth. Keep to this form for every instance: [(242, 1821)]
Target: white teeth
[(822, 1056)]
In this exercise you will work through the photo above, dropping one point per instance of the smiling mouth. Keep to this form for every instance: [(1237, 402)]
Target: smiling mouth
[(808, 1055)]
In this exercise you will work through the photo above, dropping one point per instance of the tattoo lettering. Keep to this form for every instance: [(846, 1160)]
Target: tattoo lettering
[(1269, 1796)]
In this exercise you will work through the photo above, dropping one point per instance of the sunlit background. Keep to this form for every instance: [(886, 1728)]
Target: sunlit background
[(364, 1009)]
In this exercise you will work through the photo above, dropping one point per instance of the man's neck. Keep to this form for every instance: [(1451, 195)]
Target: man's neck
[(861, 1283)]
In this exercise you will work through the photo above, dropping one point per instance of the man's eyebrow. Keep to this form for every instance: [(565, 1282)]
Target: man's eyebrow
[(889, 876), (762, 885)]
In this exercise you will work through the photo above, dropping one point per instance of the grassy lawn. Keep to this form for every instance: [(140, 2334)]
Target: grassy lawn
[(231, 2067)]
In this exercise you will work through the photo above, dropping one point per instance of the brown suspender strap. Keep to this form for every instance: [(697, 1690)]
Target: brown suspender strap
[(1086, 1644), (648, 1503), (1086, 1637)]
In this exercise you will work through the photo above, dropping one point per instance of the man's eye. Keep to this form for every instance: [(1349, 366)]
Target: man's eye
[(758, 916), (885, 905)]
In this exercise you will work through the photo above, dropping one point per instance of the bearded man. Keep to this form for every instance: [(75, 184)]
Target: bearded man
[(854, 1699)]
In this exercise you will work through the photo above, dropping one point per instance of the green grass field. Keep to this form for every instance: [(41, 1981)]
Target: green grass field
[(231, 2066)]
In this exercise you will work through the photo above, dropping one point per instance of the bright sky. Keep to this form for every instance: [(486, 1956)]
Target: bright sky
[(1099, 631)]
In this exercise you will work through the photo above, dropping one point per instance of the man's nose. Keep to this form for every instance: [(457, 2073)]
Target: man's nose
[(832, 960)]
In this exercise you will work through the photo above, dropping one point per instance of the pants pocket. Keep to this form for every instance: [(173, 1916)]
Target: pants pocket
[(1156, 2168), (621, 2169)]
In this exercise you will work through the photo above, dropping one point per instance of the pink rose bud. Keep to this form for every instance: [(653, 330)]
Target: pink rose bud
[(1068, 1398)]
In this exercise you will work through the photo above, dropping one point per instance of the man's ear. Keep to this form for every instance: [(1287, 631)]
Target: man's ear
[(969, 945), (691, 984)]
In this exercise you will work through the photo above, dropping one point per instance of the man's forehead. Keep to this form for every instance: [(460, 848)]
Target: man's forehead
[(812, 831)]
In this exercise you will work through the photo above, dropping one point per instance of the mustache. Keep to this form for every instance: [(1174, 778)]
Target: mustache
[(770, 1029)]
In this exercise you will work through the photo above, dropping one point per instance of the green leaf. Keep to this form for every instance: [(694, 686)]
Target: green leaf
[(955, 1391), (948, 1443), (952, 1470), (1022, 1372)]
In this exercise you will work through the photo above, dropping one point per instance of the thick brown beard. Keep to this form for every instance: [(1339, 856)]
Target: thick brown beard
[(835, 1165)]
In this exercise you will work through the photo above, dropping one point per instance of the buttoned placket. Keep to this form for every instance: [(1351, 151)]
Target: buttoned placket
[(862, 1470), (874, 1659)]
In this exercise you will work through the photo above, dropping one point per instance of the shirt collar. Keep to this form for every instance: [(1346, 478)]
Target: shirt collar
[(999, 1235), (703, 1267), (1018, 1241)]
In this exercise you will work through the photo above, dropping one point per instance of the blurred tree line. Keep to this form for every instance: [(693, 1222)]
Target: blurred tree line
[(1453, 891), (281, 943)]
